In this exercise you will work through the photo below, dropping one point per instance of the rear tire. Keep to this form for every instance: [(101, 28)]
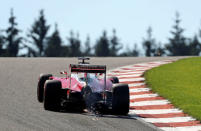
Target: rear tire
[(52, 95), (114, 80), (120, 100), (40, 87)]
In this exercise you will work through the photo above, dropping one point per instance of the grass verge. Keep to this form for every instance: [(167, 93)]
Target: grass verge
[(179, 82)]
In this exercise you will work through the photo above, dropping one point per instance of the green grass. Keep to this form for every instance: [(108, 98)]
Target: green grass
[(180, 83)]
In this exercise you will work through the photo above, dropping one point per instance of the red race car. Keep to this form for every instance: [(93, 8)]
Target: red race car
[(85, 87)]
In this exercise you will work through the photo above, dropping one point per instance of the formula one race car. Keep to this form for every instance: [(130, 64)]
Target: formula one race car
[(85, 87)]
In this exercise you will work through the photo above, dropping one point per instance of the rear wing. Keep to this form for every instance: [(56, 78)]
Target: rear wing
[(85, 68), (88, 68)]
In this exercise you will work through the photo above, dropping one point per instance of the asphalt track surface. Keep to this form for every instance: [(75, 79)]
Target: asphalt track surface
[(20, 110)]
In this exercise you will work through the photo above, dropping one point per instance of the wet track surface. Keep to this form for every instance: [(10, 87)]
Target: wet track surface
[(20, 110)]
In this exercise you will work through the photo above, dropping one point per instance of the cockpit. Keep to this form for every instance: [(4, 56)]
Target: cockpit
[(85, 77)]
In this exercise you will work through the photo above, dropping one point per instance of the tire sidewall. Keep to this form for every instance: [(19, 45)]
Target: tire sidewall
[(40, 87), (120, 100)]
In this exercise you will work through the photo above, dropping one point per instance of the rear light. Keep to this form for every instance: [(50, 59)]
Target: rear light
[(50, 78)]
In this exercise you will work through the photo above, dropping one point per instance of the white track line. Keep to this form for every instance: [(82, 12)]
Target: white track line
[(128, 66), (132, 69), (159, 111), (123, 69), (142, 64), (146, 103), (150, 66), (145, 69), (139, 89), (126, 72), (186, 128), (132, 79), (135, 68), (168, 120), (159, 62), (136, 84), (147, 65), (131, 75), (143, 96)]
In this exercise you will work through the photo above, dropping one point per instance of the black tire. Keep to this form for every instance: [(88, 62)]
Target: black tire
[(114, 80), (40, 87), (52, 95), (120, 100)]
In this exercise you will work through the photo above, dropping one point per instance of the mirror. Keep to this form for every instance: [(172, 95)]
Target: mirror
[(63, 72)]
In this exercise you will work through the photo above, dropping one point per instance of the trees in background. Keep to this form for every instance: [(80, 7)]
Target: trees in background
[(135, 51), (12, 39), (38, 35), (87, 51), (159, 50), (54, 45), (115, 44), (177, 43), (74, 45), (39, 43), (131, 52), (102, 45), (149, 43), (2, 42), (194, 46), (108, 46)]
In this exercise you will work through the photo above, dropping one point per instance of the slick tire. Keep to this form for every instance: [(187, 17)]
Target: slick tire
[(114, 80), (40, 87), (120, 100), (52, 95)]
